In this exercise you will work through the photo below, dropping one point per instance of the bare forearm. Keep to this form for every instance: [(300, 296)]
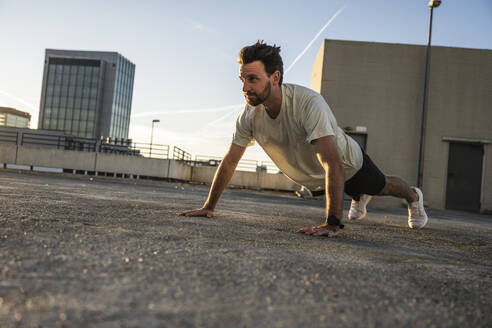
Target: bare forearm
[(222, 177), (334, 190)]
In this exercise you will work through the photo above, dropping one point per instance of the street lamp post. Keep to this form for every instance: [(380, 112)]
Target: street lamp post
[(432, 4), (152, 136)]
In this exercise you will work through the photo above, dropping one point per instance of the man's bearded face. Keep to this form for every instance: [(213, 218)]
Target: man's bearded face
[(255, 99)]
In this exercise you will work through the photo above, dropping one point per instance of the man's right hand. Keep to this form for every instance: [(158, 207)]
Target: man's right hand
[(201, 212), (221, 179)]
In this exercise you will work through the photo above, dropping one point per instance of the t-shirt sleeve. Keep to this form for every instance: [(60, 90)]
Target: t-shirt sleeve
[(243, 136), (318, 120)]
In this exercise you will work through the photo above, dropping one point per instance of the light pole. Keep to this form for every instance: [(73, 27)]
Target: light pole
[(152, 136), (432, 4)]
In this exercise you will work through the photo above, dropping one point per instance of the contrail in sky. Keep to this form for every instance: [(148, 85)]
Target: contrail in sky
[(226, 115), (229, 107), (316, 37), (339, 11), (187, 111), (20, 100)]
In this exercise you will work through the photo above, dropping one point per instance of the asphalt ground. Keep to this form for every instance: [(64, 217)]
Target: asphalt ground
[(76, 252)]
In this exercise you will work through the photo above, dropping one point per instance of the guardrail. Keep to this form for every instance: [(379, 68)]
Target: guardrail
[(211, 161), (9, 137), (125, 147), (58, 142), (270, 167), (248, 165), (150, 150), (243, 165), (181, 155)]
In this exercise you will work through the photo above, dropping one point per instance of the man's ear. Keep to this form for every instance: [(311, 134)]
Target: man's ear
[(275, 77)]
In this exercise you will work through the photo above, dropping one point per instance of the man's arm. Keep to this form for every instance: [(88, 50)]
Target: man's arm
[(327, 153), (222, 177)]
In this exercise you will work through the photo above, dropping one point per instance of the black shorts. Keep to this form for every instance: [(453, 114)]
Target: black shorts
[(368, 180)]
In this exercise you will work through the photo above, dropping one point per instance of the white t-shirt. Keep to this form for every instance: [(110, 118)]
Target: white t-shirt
[(304, 117)]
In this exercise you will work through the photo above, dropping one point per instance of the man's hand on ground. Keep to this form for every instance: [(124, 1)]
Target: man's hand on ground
[(200, 212), (321, 230)]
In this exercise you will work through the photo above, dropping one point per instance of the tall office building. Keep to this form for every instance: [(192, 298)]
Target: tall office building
[(87, 93)]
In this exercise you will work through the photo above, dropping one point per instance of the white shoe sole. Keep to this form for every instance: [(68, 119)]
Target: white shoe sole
[(419, 225), (352, 218), (368, 199)]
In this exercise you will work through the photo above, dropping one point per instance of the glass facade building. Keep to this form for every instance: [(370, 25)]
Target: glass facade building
[(71, 96), (14, 118), (120, 115), (87, 93)]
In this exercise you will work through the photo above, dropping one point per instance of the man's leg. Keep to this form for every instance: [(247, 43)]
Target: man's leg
[(397, 187), (369, 180)]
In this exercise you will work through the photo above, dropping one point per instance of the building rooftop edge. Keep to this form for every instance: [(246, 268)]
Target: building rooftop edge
[(67, 51), (406, 44), (88, 51), (10, 110)]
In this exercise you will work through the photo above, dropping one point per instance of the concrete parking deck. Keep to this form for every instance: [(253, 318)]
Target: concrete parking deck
[(104, 252)]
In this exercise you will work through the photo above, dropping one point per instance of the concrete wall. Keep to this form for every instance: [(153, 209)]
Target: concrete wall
[(380, 86), (247, 179), (179, 170), (203, 174), (240, 178), (377, 86), (132, 165), (276, 182), (56, 158), (8, 153), (317, 74), (460, 108)]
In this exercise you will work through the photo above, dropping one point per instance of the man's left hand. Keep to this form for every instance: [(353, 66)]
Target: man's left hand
[(321, 230)]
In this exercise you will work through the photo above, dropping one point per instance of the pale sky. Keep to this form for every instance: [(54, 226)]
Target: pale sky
[(185, 52)]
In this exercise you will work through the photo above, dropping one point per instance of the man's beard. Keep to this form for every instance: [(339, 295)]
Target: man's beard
[(259, 98)]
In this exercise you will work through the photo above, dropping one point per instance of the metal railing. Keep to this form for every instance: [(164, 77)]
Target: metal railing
[(248, 165), (203, 160), (270, 167), (58, 142), (126, 147), (9, 137), (150, 150), (243, 165), (181, 155)]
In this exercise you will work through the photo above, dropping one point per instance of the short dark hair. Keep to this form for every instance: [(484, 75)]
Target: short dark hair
[(268, 55)]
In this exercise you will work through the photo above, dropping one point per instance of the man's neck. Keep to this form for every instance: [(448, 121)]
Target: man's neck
[(274, 103)]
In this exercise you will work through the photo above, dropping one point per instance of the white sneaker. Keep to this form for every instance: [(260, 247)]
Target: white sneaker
[(417, 218), (358, 209)]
